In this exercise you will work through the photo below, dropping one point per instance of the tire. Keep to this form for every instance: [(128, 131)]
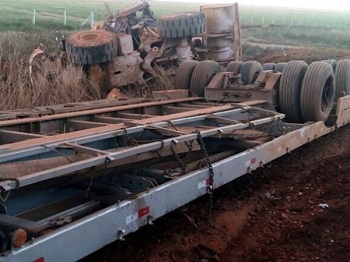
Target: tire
[(202, 74), (317, 92), (249, 72), (183, 74), (91, 47), (342, 78), (289, 90), (269, 66), (234, 66), (181, 25), (280, 66), (333, 64)]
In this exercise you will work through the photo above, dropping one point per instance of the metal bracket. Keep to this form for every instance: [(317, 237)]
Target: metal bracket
[(177, 157), (61, 221)]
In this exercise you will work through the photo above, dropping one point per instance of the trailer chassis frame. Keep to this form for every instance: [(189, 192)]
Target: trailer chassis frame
[(113, 223)]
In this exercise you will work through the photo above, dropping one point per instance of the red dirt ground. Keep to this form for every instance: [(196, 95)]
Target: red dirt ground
[(296, 210), (279, 54)]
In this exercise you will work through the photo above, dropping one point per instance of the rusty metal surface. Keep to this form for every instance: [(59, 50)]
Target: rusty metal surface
[(68, 108), (196, 119), (137, 103), (173, 94), (108, 129), (124, 44), (225, 80), (240, 95), (16, 170), (223, 36), (23, 168), (125, 70), (228, 87), (133, 9), (273, 81)]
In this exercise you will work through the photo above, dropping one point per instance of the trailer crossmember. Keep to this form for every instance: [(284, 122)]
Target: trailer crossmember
[(110, 184)]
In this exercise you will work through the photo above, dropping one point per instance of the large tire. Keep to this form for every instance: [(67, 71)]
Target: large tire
[(184, 73), (269, 66), (234, 66), (342, 78), (202, 74), (181, 25), (289, 90), (91, 47), (317, 92), (280, 66), (250, 71), (333, 63)]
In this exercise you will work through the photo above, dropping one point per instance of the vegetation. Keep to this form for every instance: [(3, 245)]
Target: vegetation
[(313, 28), (54, 87), (18, 15), (299, 36), (19, 36), (296, 27), (293, 17)]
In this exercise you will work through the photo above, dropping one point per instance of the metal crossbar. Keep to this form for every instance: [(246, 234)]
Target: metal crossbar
[(99, 157)]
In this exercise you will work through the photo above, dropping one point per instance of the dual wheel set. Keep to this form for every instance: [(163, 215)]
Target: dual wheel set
[(100, 46), (305, 93)]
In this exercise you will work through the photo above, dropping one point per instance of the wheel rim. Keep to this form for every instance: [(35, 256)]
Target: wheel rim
[(90, 37)]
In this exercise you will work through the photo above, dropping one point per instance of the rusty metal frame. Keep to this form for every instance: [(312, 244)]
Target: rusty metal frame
[(102, 157), (226, 87)]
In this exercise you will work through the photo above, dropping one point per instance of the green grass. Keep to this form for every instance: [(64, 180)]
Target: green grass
[(295, 17), (17, 15), (299, 36), (298, 27), (315, 28)]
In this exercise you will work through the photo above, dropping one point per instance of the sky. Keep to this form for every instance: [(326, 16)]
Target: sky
[(314, 4)]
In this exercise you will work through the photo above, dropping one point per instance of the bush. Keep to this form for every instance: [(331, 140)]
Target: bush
[(50, 87)]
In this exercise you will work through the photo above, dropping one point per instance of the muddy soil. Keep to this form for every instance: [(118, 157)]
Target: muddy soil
[(297, 209), (279, 53)]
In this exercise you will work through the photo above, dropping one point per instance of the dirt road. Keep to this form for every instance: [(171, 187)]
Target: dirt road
[(279, 53)]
